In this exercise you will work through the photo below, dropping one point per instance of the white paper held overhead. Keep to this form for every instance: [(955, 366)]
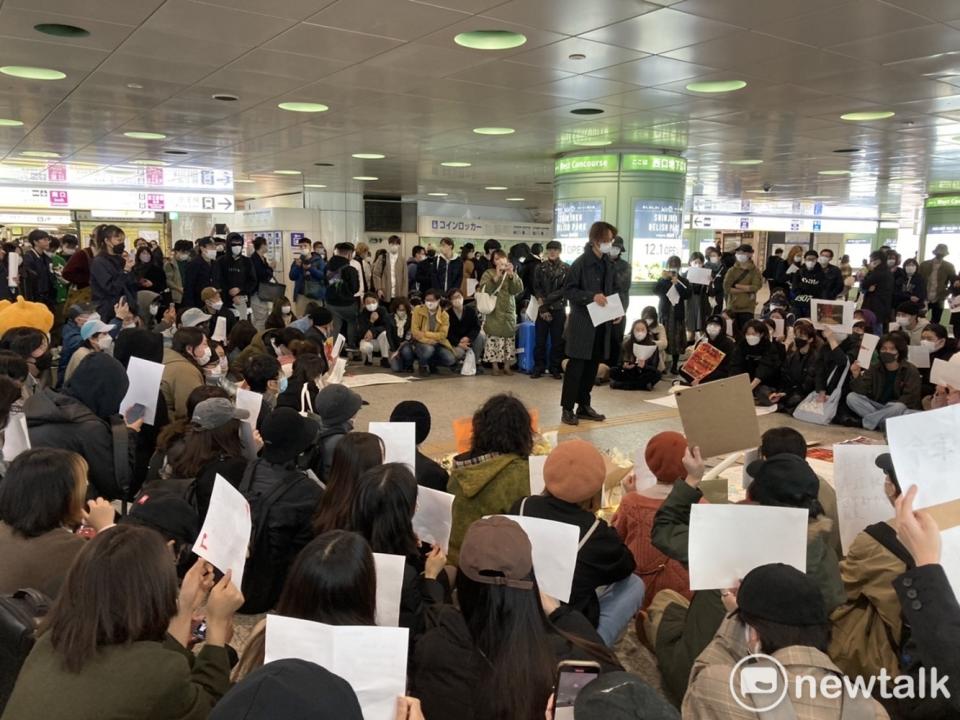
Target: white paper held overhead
[(536, 463), (861, 500), (389, 586), (399, 441), (225, 535), (144, 388), (926, 453), (611, 311), (554, 546), (434, 517), (728, 541), (919, 356)]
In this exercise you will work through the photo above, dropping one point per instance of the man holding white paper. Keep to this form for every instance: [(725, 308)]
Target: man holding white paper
[(592, 281)]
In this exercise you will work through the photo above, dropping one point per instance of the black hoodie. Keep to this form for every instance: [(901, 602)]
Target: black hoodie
[(343, 282)]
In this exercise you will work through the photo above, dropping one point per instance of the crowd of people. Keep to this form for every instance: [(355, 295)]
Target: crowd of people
[(99, 510)]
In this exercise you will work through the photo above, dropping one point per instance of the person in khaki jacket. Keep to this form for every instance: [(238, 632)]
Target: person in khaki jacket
[(429, 328), (777, 611), (390, 277), (740, 285)]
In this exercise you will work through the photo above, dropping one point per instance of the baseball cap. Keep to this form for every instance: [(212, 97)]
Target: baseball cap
[(92, 327), (193, 317), (554, 245), (208, 293), (496, 551), (782, 594), (216, 412)]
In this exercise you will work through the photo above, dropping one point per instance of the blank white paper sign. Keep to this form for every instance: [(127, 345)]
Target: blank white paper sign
[(946, 373), (144, 389), (472, 286), (861, 500), (16, 438), (251, 402), (373, 660), (950, 557), (611, 311), (434, 517), (220, 333), (918, 356), (673, 295), (533, 309), (868, 343), (389, 586), (537, 483), (225, 534), (700, 276), (554, 547), (926, 453), (728, 541), (644, 352), (399, 442)]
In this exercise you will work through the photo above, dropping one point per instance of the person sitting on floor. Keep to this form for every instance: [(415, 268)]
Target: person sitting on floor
[(638, 370)]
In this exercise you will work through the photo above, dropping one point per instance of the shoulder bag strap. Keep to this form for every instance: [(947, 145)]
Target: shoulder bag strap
[(246, 482), (590, 532), (523, 504), (121, 455), (306, 405)]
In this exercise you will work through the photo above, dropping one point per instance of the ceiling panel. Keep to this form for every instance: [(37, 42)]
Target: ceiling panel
[(289, 9), (125, 12), (570, 17), (324, 42), (904, 45), (750, 13), (426, 60), (558, 56), (661, 31), (844, 22), (653, 70), (505, 73), (16, 22)]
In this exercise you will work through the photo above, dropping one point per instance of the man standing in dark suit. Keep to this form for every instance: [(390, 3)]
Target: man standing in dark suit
[(591, 279)]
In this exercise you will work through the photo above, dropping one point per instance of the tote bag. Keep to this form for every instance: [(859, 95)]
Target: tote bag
[(822, 413), (487, 302)]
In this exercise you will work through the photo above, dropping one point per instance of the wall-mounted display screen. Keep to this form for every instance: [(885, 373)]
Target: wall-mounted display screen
[(571, 225), (657, 234)]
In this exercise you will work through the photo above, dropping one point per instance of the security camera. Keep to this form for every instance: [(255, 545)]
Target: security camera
[(767, 187)]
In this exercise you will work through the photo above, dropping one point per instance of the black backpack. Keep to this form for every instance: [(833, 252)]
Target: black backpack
[(281, 518), (20, 614)]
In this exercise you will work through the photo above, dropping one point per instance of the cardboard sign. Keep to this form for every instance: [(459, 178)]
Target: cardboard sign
[(373, 660), (861, 500), (728, 541), (433, 518), (144, 388), (399, 442), (225, 534), (719, 417), (389, 586), (925, 453), (703, 361), (834, 314)]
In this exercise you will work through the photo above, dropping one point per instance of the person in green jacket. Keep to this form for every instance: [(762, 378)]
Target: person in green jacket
[(116, 643), (495, 473), (500, 326), (889, 388), (740, 285), (679, 631)]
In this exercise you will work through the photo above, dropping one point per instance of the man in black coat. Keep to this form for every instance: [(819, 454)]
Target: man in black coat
[(592, 279), (238, 279), (832, 277), (36, 278), (202, 272)]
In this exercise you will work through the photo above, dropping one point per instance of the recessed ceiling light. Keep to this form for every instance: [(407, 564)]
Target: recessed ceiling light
[(137, 135), (5, 122), (287, 172), (437, 194), (586, 111), (240, 180), (32, 73), (494, 131), (833, 172), (515, 199), (456, 164), (60, 30), (134, 86), (868, 115), (586, 142), (323, 164), (367, 178), (176, 152), (304, 107), (152, 163), (40, 154), (819, 197), (314, 185), (490, 39), (369, 156), (744, 162), (716, 86), (848, 150), (576, 56), (496, 187), (225, 97)]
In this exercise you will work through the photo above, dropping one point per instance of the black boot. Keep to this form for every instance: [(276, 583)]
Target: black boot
[(588, 413), (568, 418)]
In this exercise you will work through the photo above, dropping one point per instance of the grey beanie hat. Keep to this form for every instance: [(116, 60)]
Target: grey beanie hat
[(336, 404)]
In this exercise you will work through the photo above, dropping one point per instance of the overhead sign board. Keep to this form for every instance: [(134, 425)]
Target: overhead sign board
[(438, 226), (179, 178), (34, 219), (73, 198), (771, 223), (785, 208), (943, 202), (653, 163), (586, 164)]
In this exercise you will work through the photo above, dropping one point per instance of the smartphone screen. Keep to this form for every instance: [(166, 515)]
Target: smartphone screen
[(135, 412), (571, 679)]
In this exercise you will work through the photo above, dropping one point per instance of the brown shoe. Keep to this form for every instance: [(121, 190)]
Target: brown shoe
[(638, 625), (496, 370), (507, 369)]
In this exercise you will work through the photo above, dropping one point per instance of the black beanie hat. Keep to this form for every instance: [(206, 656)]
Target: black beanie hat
[(416, 412), (785, 480), (622, 696), (782, 594), (286, 434)]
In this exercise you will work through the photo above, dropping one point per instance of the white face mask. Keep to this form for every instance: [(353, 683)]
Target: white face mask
[(205, 357), (640, 336), (236, 249), (714, 259), (929, 345), (910, 269), (713, 331), (285, 310), (615, 252), (183, 256), (215, 306), (394, 249), (105, 343), (606, 248), (824, 260), (145, 257), (742, 257), (210, 254), (154, 309), (753, 340), (811, 264), (903, 320), (432, 305), (371, 307), (891, 262)]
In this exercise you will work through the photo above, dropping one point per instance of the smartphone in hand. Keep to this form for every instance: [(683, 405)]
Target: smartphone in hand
[(572, 677), (135, 412)]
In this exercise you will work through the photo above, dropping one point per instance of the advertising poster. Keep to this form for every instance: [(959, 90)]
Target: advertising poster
[(572, 221), (657, 234)]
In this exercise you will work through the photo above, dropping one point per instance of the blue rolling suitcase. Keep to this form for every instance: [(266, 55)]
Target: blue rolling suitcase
[(526, 344)]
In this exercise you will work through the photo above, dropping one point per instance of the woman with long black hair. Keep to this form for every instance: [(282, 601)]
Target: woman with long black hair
[(356, 453), (111, 279)]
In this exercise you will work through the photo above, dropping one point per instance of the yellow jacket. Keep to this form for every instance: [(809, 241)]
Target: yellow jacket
[(420, 327)]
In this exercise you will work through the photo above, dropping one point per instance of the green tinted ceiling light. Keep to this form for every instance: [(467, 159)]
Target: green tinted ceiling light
[(494, 131), (304, 107), (137, 135), (32, 73), (6, 122), (365, 178), (490, 39), (833, 172), (286, 172), (496, 187), (150, 163), (369, 156), (61, 30), (716, 86), (744, 162), (456, 164), (40, 154), (868, 115)]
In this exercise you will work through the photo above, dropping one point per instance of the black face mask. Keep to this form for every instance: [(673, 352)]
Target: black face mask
[(118, 249), (44, 361), (801, 343), (888, 358)]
